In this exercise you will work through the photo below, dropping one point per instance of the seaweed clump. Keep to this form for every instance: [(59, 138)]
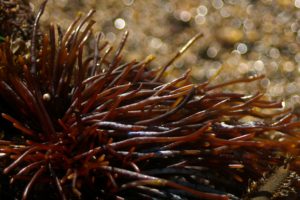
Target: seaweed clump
[(16, 19), (96, 127)]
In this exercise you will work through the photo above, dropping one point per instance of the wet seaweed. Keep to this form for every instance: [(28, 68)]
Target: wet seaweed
[(97, 127)]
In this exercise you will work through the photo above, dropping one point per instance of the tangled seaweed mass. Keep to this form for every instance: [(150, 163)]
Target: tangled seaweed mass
[(16, 19), (94, 127)]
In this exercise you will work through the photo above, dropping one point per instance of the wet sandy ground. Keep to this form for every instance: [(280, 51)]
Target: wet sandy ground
[(241, 37)]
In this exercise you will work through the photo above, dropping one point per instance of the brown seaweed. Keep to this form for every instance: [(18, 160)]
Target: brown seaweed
[(99, 128)]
